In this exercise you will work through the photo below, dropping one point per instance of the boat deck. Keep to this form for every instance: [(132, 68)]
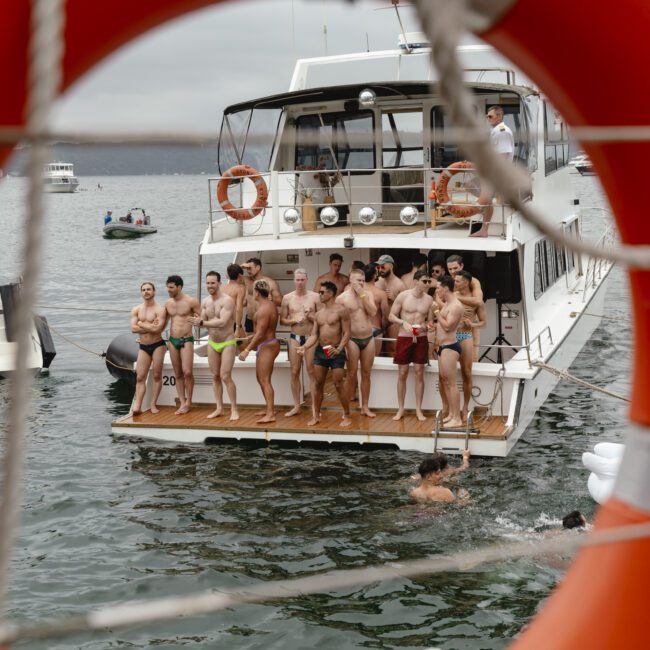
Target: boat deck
[(379, 430)]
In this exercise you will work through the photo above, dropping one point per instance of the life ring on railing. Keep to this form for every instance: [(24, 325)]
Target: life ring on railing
[(463, 211), (242, 171)]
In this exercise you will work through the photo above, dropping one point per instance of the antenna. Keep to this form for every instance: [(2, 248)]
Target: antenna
[(396, 5), (325, 36), (367, 43)]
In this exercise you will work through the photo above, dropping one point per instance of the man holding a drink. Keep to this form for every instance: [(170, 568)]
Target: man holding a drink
[(412, 311)]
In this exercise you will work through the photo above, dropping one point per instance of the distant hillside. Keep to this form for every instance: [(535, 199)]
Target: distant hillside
[(129, 160)]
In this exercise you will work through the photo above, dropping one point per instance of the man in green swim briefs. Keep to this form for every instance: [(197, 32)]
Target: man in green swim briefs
[(218, 317), (361, 306), (181, 308)]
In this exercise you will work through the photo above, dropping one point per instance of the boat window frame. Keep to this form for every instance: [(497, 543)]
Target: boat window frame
[(559, 161), (550, 264), (321, 116)]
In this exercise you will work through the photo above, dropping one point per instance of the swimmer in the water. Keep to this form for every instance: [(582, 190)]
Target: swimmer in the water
[(432, 471)]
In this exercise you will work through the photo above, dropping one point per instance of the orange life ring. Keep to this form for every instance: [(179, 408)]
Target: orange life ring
[(242, 171), (463, 211)]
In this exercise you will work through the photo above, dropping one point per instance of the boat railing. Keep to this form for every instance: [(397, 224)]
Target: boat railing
[(598, 266), (359, 199), (535, 343)]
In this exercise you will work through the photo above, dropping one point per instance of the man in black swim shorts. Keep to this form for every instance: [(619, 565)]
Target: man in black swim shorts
[(148, 320), (330, 334)]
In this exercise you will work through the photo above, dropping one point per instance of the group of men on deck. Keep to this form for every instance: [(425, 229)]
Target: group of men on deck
[(338, 327)]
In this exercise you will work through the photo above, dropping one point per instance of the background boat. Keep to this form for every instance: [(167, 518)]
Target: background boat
[(59, 178)]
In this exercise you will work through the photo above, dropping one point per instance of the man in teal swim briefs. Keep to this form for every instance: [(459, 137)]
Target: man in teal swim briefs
[(181, 308), (218, 316)]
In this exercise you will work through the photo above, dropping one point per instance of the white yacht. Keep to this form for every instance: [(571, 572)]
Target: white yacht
[(349, 154), (59, 178)]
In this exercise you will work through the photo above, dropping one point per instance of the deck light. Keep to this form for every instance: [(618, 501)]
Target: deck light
[(329, 215), (367, 98), (291, 216), (367, 216), (408, 215)]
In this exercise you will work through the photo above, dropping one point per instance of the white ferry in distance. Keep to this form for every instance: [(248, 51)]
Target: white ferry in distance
[(59, 177), (348, 155)]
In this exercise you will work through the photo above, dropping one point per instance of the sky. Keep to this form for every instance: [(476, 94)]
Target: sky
[(182, 75)]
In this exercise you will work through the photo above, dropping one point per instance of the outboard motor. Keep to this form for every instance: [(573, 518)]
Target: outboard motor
[(121, 356), (45, 337)]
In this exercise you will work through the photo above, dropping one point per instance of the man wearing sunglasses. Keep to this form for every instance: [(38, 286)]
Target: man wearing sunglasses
[(393, 286), (330, 334), (411, 312)]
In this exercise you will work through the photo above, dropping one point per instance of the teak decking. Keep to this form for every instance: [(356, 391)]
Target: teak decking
[(383, 425)]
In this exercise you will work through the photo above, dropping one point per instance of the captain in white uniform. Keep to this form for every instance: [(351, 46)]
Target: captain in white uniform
[(504, 144)]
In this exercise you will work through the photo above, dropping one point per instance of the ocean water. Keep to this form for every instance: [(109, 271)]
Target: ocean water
[(108, 520)]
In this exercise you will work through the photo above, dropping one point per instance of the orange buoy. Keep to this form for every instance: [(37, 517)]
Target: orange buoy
[(446, 175), (242, 171)]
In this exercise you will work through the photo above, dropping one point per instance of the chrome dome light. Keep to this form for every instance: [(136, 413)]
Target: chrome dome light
[(291, 216), (329, 215), (408, 215), (367, 98), (367, 216)]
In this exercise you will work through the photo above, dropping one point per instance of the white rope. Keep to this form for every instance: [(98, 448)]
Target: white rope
[(442, 21), (563, 374), (44, 76), (108, 619)]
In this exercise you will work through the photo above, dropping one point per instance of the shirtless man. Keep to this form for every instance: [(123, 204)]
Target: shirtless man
[(254, 270), (266, 345), (455, 264), (362, 309), (298, 310), (432, 471), (393, 286), (420, 263), (380, 319), (330, 334), (181, 308), (410, 314), (334, 275), (236, 289), (473, 318), (450, 313), (218, 317), (148, 320)]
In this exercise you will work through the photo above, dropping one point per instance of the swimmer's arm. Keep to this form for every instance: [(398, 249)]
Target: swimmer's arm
[(395, 310), (284, 313), (481, 316), (452, 471), (276, 294), (136, 325), (368, 302), (239, 309), (449, 322), (345, 327), (312, 340), (470, 301)]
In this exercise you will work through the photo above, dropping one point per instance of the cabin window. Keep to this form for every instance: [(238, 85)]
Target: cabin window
[(402, 139), (556, 140), (349, 136), (550, 265), (445, 153)]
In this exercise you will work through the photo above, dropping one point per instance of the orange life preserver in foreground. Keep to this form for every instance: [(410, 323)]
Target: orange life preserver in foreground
[(242, 171), (463, 211)]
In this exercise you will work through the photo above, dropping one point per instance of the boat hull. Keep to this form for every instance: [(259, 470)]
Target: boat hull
[(127, 230), (523, 399)]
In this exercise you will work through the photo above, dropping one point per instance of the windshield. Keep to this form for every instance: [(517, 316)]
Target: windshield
[(247, 138)]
